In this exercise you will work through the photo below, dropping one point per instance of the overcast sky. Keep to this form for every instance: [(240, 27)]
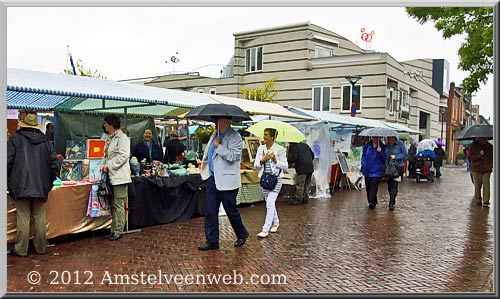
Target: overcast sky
[(132, 42)]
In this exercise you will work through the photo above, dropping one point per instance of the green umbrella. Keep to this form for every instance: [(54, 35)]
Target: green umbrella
[(286, 132)]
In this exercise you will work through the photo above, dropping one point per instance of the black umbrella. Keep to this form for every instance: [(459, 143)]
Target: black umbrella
[(211, 112), (476, 131)]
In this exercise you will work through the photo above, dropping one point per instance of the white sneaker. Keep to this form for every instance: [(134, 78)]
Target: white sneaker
[(274, 228), (263, 234)]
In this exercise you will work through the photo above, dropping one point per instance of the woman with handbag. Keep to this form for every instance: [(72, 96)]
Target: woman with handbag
[(271, 160), (115, 163), (395, 152), (372, 163)]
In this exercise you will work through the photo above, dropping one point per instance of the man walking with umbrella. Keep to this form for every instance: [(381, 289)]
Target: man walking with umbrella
[(221, 169), (481, 158)]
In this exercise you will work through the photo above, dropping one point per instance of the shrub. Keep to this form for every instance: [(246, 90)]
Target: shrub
[(460, 155)]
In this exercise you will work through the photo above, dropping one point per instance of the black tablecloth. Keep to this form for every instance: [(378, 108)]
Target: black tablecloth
[(160, 200)]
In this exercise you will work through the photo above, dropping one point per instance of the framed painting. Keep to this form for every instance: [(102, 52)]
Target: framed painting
[(75, 149), (71, 170), (95, 148), (252, 144)]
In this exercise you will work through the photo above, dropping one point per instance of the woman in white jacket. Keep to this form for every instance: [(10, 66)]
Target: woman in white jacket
[(271, 158), (116, 164)]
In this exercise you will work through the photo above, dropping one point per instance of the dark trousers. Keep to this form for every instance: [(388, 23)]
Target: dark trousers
[(372, 189), (438, 171), (213, 198), (392, 187)]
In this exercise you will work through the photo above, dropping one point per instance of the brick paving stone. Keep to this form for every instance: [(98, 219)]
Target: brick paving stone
[(436, 240)]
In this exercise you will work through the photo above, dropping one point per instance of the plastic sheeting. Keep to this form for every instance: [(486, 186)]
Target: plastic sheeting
[(317, 133)]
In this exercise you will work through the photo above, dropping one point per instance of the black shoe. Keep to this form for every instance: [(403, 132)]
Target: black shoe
[(207, 246), (241, 241), (115, 237), (479, 203), (13, 252), (108, 236), (391, 207), (486, 204), (371, 206)]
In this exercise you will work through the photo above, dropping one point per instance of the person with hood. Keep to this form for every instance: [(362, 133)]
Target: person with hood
[(395, 151), (302, 157), (31, 171), (481, 158), (412, 152), (372, 163), (438, 162)]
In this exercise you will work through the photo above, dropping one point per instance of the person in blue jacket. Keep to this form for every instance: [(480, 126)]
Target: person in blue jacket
[(396, 151), (372, 162)]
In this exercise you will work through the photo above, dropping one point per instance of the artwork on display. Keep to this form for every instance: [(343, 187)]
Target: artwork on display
[(245, 156), (344, 167), (95, 148), (252, 144), (71, 170), (343, 140), (95, 170), (75, 149)]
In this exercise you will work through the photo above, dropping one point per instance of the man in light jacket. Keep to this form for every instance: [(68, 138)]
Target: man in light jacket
[(221, 169)]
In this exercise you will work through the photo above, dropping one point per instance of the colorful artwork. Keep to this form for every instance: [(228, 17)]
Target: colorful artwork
[(98, 206), (71, 170), (95, 170), (95, 148), (75, 149)]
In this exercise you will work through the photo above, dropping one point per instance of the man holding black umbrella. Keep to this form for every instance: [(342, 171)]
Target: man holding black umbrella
[(481, 158), (221, 170)]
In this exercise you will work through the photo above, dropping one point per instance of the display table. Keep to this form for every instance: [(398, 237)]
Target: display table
[(65, 213), (161, 200), (250, 190), (152, 201)]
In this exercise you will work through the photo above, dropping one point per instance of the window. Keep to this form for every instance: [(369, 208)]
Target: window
[(201, 90), (320, 51), (348, 97), (392, 98), (253, 60), (404, 104), (213, 90), (321, 98)]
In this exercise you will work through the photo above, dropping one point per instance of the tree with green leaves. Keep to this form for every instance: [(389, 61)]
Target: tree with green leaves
[(265, 94), (84, 71), (476, 52)]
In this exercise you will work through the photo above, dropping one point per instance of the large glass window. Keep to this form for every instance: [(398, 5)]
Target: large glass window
[(253, 60), (348, 97), (321, 98)]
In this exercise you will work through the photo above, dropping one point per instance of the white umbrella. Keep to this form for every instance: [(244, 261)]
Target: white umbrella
[(426, 144)]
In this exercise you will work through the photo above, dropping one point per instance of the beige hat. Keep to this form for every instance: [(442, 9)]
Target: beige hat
[(30, 121)]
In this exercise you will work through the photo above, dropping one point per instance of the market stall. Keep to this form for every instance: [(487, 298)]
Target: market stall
[(151, 201)]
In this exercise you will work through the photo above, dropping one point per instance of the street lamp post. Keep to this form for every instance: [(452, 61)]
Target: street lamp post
[(353, 80), (442, 111)]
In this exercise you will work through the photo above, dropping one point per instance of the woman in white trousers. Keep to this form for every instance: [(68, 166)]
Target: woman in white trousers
[(271, 158)]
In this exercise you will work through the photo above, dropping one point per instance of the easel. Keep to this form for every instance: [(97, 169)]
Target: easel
[(344, 168)]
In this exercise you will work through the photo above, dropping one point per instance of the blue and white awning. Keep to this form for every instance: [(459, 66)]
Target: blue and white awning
[(48, 91)]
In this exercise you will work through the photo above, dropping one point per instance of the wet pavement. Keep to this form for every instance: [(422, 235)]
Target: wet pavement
[(436, 240)]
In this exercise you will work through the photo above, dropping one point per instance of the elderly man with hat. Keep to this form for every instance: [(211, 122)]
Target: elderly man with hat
[(31, 169)]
